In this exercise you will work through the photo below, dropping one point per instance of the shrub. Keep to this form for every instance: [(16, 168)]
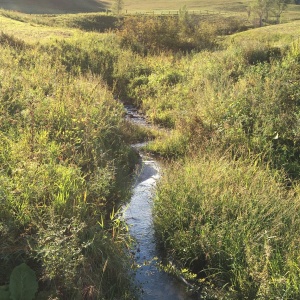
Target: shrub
[(156, 34)]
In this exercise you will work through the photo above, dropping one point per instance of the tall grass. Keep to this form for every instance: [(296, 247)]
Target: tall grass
[(242, 97), (242, 100), (65, 162), (233, 224), (64, 166)]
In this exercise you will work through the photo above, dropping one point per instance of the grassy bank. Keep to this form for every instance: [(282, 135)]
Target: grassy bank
[(65, 170), (232, 224)]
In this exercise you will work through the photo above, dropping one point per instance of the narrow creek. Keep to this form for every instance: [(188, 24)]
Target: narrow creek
[(153, 283)]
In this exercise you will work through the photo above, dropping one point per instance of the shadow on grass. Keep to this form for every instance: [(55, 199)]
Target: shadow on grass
[(54, 6)]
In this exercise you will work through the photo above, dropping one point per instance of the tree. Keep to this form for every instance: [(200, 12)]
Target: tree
[(185, 26), (263, 8), (117, 6), (279, 6)]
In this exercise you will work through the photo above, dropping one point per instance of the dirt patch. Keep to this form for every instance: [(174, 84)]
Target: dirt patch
[(55, 6)]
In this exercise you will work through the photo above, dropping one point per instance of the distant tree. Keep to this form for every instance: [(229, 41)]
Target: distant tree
[(117, 6), (263, 8), (184, 21), (278, 7), (249, 9)]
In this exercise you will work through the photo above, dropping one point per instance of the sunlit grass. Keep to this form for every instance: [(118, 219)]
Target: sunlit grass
[(228, 7), (64, 147), (277, 35), (41, 30), (231, 222), (31, 32), (65, 162)]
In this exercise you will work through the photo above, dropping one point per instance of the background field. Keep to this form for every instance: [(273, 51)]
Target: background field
[(135, 6), (54, 6)]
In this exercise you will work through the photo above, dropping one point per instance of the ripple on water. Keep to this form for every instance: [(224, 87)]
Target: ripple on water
[(154, 283)]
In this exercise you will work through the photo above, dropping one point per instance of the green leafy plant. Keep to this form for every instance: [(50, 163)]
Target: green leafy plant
[(4, 293), (22, 285)]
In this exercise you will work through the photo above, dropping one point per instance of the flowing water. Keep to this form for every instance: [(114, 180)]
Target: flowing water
[(154, 283)]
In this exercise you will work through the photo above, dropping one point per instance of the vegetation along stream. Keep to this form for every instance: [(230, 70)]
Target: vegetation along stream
[(226, 187), (153, 282)]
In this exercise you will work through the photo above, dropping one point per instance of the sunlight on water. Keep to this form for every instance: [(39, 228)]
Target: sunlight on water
[(153, 282)]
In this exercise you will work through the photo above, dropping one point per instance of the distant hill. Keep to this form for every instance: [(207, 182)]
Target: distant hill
[(54, 6)]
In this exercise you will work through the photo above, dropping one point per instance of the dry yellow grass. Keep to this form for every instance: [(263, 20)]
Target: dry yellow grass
[(132, 6), (31, 32), (278, 35)]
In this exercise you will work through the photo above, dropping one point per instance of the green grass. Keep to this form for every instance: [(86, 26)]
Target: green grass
[(65, 163), (231, 108), (31, 32), (238, 97), (132, 5), (228, 7), (278, 36), (85, 21), (231, 222)]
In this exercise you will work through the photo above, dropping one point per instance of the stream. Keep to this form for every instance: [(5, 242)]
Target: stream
[(153, 283)]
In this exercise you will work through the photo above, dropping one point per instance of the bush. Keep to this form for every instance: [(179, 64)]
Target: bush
[(157, 34)]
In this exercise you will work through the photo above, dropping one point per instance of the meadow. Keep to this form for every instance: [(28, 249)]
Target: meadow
[(225, 98), (66, 7)]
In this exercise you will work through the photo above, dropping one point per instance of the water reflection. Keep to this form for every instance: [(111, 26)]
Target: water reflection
[(154, 283)]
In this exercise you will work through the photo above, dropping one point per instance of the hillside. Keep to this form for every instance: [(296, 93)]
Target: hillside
[(54, 6), (75, 6), (279, 35), (227, 7)]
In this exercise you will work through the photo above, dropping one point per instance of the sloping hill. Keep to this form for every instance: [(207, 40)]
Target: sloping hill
[(277, 35), (54, 6)]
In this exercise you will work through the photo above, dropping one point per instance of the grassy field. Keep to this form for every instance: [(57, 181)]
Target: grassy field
[(31, 32), (229, 100), (228, 7), (68, 6), (279, 36), (54, 6), (231, 6)]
